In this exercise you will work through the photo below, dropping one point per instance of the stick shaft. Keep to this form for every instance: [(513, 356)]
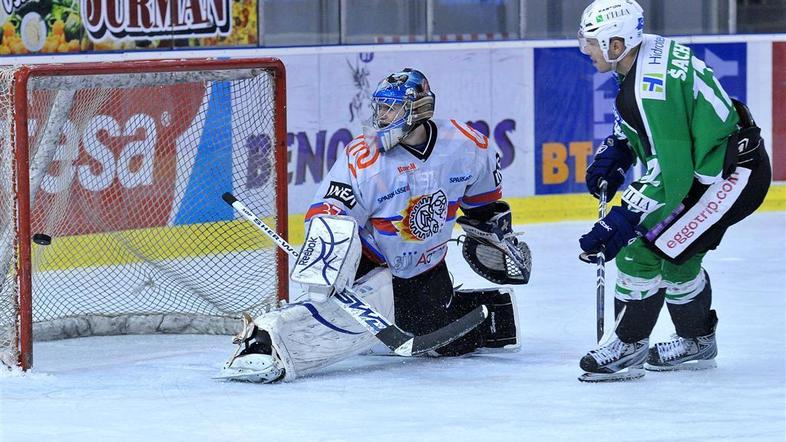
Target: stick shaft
[(600, 289)]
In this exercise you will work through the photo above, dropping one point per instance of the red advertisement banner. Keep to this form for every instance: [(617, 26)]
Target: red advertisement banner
[(779, 111), (128, 148)]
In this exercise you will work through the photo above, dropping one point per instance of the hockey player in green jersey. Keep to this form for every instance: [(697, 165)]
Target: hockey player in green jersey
[(706, 169)]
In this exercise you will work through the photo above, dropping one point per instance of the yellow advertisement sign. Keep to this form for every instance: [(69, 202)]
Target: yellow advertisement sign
[(51, 26)]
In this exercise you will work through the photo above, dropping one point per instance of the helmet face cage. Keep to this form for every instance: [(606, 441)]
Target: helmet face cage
[(401, 100), (604, 20), (390, 112)]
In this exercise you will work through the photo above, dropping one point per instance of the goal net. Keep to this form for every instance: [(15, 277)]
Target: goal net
[(123, 166)]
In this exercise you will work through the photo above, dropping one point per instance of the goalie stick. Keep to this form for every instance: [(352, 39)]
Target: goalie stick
[(396, 339)]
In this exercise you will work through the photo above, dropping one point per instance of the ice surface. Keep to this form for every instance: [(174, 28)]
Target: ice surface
[(158, 388)]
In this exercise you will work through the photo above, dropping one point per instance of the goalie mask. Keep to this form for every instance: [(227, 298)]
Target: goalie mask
[(400, 102)]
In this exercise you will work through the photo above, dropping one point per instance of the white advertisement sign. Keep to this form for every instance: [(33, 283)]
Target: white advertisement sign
[(328, 103)]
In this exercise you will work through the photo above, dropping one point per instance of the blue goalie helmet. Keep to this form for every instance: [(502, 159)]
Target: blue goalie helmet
[(400, 102)]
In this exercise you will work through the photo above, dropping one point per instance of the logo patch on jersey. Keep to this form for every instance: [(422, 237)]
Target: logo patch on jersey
[(638, 202), (424, 216), (652, 83), (341, 192), (653, 72), (428, 256), (407, 168)]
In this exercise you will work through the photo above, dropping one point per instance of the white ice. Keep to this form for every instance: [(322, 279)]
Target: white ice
[(159, 388)]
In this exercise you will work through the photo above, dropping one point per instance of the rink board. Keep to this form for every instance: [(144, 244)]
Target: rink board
[(540, 102)]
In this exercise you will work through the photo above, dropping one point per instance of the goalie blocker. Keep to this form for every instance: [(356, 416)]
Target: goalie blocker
[(329, 257)]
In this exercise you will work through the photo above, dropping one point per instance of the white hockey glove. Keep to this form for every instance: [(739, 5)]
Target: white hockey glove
[(329, 257), (493, 251)]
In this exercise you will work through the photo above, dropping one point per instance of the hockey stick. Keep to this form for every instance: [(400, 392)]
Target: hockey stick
[(396, 339), (600, 290)]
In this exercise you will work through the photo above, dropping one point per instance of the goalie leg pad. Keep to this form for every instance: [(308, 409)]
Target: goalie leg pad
[(310, 336), (501, 331)]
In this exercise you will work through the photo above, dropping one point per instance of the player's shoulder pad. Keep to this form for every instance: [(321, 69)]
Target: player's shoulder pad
[(363, 160), (466, 132)]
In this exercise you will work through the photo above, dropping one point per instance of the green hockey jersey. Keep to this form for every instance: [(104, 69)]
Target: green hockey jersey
[(677, 118)]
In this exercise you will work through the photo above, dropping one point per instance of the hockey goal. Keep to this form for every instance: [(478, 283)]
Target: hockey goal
[(123, 165)]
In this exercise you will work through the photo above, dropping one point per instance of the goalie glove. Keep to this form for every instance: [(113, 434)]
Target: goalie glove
[(493, 251), (329, 258)]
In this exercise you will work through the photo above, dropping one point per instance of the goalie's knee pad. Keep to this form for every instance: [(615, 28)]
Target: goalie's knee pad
[(501, 330)]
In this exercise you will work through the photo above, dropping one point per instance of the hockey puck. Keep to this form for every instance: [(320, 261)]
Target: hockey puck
[(42, 239)]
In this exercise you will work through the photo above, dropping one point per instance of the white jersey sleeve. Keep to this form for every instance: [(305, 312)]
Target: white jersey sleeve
[(486, 184)]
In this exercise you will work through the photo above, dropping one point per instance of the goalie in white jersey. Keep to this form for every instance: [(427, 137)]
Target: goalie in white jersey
[(392, 198)]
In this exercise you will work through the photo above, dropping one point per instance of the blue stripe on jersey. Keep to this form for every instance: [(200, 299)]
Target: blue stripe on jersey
[(367, 245)]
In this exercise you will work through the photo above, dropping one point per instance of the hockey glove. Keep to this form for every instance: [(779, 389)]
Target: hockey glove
[(329, 257), (611, 161), (610, 234), (493, 251)]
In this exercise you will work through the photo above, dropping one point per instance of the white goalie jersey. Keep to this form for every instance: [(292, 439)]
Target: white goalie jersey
[(405, 200)]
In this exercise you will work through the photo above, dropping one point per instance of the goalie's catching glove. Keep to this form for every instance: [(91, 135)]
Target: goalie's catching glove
[(493, 251), (329, 257)]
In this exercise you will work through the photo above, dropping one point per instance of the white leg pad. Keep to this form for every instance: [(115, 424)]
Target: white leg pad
[(310, 336)]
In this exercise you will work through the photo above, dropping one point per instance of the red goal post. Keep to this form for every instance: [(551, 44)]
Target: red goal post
[(122, 165)]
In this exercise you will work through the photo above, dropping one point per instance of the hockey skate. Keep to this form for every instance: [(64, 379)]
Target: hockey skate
[(255, 360), (615, 361), (685, 353)]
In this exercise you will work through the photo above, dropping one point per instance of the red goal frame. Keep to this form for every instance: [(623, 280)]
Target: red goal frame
[(19, 136)]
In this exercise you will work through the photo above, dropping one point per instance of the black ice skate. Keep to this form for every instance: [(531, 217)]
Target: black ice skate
[(685, 353), (615, 361)]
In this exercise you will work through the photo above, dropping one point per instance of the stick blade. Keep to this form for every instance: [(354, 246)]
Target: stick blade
[(449, 333), (229, 198)]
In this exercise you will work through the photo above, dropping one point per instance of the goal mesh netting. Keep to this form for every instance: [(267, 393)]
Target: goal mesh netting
[(127, 163)]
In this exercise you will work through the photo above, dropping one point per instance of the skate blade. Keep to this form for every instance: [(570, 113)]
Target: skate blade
[(690, 365), (257, 377), (622, 376)]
